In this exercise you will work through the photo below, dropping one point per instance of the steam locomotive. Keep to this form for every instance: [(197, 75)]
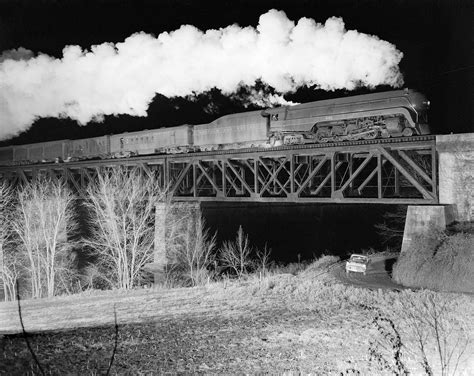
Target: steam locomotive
[(399, 113)]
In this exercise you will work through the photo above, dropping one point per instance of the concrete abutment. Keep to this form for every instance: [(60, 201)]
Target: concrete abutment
[(172, 224), (424, 221)]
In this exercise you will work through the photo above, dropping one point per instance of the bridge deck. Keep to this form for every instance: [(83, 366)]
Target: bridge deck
[(375, 171)]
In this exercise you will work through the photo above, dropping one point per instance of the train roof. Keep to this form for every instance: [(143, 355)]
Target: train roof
[(359, 98), (145, 131), (405, 93)]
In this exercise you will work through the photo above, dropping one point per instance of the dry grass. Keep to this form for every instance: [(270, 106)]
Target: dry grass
[(303, 323), (442, 262)]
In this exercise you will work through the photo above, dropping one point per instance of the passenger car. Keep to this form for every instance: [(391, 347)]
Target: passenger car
[(357, 263)]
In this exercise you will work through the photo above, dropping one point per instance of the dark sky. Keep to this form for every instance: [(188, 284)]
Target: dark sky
[(436, 38)]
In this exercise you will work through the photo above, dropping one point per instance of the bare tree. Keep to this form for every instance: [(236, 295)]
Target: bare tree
[(263, 260), (9, 265), (122, 206), (43, 218), (433, 323), (425, 326), (194, 250), (392, 228), (236, 255), (10, 274)]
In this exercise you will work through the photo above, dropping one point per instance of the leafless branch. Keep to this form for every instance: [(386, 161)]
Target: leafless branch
[(122, 207), (236, 255), (44, 217)]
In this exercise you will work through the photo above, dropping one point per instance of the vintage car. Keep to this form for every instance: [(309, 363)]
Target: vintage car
[(357, 263)]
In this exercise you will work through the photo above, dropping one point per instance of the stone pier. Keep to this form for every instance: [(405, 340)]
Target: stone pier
[(456, 189), (172, 220)]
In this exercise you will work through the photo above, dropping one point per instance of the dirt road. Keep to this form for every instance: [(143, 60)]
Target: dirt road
[(378, 274)]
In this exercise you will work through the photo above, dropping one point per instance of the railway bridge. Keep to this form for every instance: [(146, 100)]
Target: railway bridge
[(432, 174), (376, 171)]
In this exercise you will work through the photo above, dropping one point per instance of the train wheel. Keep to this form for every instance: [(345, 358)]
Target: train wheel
[(321, 137), (370, 135), (407, 132), (384, 133)]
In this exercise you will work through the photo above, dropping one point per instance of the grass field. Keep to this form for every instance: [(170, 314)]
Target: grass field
[(307, 323)]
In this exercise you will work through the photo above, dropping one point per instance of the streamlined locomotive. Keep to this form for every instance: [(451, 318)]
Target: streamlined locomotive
[(398, 113)]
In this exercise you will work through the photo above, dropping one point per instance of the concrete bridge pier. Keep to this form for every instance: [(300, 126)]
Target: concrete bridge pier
[(425, 221), (456, 189), (172, 221)]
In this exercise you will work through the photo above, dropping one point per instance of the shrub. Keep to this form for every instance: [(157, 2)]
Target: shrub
[(262, 261), (323, 263), (452, 266), (407, 269), (195, 253), (423, 329), (439, 262), (236, 255)]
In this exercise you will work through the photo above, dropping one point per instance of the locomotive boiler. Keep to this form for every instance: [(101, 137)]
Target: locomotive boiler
[(398, 113)]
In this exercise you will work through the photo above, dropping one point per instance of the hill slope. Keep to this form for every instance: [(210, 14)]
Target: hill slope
[(306, 323)]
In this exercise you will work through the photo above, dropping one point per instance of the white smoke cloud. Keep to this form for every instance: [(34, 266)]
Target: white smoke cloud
[(16, 54), (123, 78), (263, 99)]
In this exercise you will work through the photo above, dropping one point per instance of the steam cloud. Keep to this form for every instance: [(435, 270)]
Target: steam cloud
[(123, 78)]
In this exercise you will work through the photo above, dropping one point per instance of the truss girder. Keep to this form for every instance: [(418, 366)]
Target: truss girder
[(403, 172)]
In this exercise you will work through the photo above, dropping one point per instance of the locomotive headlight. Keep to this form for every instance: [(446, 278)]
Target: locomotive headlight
[(427, 103)]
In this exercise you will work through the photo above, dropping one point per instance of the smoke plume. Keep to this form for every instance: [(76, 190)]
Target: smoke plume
[(123, 78)]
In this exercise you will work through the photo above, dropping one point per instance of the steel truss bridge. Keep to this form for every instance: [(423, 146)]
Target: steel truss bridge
[(399, 170)]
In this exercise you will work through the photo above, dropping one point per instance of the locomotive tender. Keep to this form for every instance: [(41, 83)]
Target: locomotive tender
[(381, 115)]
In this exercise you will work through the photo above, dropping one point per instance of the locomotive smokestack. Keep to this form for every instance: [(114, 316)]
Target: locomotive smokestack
[(123, 78)]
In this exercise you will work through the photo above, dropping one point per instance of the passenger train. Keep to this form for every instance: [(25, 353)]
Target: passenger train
[(398, 113)]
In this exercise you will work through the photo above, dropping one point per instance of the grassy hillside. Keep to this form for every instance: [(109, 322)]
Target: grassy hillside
[(300, 322), (441, 261)]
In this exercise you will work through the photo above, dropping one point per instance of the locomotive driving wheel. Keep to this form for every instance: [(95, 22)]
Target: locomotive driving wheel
[(275, 140), (407, 132), (370, 135), (322, 136)]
